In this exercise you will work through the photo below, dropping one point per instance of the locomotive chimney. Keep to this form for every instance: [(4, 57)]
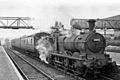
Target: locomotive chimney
[(91, 23)]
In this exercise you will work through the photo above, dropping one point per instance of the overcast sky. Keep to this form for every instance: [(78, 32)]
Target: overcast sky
[(45, 12)]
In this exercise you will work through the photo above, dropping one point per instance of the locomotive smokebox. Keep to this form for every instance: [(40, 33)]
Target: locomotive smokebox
[(91, 23)]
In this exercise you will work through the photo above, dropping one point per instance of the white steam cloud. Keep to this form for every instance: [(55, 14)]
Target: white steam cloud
[(44, 47)]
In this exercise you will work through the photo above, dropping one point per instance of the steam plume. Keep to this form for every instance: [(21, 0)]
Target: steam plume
[(44, 47)]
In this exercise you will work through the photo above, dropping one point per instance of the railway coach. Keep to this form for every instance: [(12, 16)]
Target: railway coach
[(28, 43)]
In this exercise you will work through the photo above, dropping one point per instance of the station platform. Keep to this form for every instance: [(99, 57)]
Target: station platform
[(8, 71)]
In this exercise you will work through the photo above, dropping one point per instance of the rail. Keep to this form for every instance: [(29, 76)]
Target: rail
[(38, 69)]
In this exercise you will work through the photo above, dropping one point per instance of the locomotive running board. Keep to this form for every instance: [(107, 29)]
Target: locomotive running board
[(65, 56)]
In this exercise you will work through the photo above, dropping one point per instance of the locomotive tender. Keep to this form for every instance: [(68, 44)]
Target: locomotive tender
[(80, 54)]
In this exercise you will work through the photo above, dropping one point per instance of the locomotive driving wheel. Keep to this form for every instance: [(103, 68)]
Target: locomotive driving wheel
[(65, 64)]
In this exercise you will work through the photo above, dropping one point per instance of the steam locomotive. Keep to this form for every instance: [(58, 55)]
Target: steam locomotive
[(80, 54)]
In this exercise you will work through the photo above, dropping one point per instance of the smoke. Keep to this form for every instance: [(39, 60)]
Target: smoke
[(44, 48)]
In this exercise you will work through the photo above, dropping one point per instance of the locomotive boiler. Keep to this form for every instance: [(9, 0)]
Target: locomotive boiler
[(85, 43), (91, 45)]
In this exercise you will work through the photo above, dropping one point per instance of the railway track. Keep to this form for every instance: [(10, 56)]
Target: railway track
[(53, 76), (106, 77), (111, 77), (47, 72), (27, 69), (100, 77), (74, 76)]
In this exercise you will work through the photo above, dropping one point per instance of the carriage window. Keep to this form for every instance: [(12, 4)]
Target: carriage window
[(28, 41), (31, 41), (24, 41)]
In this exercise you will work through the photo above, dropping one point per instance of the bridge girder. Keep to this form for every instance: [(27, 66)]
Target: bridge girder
[(15, 23)]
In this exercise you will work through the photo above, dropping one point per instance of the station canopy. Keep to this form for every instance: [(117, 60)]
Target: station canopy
[(108, 23)]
